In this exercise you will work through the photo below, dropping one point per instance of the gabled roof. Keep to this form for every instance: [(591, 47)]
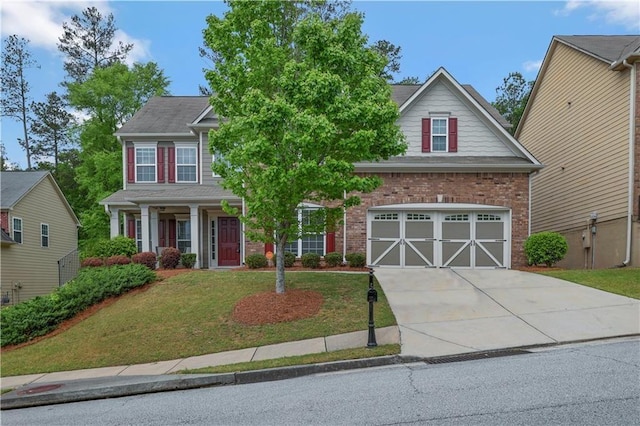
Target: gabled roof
[(15, 185), (165, 115), (607, 48), (480, 105)]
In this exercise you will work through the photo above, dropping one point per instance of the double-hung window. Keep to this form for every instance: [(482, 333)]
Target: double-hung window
[(17, 230), (44, 235), (439, 135), (308, 243), (146, 163), (186, 163)]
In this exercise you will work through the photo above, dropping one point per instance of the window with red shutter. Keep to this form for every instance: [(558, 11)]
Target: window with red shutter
[(160, 165), (131, 165), (172, 164), (453, 134)]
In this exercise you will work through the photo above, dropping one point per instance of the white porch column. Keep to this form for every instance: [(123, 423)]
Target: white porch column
[(153, 222), (114, 224), (195, 234), (144, 222)]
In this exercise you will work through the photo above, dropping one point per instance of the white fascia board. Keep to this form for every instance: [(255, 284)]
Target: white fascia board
[(438, 206), (426, 168), (154, 135)]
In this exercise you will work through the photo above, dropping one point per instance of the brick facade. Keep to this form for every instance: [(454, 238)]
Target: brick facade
[(4, 222), (510, 190)]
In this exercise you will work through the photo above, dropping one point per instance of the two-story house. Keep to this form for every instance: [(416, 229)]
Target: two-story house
[(39, 229), (459, 197), (582, 121)]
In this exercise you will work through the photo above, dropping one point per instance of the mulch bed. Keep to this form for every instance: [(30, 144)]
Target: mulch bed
[(270, 307)]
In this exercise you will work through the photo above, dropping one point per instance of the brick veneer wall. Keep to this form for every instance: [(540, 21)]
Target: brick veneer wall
[(510, 190), (4, 221)]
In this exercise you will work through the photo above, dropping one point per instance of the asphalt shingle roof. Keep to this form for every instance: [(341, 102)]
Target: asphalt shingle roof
[(166, 114), (14, 185), (608, 48)]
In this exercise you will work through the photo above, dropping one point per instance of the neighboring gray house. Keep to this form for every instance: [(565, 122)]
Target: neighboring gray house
[(458, 198), (38, 229)]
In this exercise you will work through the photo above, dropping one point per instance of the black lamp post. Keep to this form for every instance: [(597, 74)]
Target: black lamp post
[(372, 296)]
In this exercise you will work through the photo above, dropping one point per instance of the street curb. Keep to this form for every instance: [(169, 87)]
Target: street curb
[(21, 398)]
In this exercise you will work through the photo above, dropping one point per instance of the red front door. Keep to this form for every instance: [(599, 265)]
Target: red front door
[(229, 241)]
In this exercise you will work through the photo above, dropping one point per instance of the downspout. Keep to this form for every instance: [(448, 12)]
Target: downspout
[(344, 231), (632, 111)]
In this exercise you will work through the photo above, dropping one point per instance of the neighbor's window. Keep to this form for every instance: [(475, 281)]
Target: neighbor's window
[(186, 164), (146, 164), (184, 235), (311, 243), (17, 230), (439, 134), (44, 235)]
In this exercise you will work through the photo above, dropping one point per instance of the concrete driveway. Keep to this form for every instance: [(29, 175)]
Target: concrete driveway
[(446, 312)]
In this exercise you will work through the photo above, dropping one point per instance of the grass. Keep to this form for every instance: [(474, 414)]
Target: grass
[(341, 355), (191, 314), (622, 281)]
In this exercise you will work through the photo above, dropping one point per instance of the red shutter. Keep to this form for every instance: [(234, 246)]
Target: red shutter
[(172, 165), (453, 134), (268, 247), (426, 135), (172, 233), (161, 235), (131, 228), (131, 165), (160, 165), (331, 242)]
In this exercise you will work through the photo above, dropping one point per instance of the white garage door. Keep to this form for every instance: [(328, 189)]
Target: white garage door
[(448, 239)]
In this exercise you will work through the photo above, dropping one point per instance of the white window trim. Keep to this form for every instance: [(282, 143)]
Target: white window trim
[(188, 220), (42, 235), (446, 133), (307, 206), (192, 145), (153, 145), (13, 229), (138, 232)]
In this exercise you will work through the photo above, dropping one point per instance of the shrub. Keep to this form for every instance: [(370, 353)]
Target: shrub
[(117, 246), (289, 259), (40, 315), (146, 258), (546, 248), (188, 260), (256, 260), (170, 258), (356, 260), (311, 260), (92, 262), (333, 259), (117, 260)]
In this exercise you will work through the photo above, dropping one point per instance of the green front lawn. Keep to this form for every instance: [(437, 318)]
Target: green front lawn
[(191, 314), (623, 281)]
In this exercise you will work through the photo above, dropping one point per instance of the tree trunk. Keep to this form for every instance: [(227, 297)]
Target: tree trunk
[(280, 284)]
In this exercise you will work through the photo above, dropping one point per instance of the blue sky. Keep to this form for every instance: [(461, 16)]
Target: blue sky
[(478, 42)]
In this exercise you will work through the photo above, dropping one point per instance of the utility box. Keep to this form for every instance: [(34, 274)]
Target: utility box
[(586, 239)]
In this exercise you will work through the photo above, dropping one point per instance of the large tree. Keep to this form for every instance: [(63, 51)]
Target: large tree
[(109, 97), (14, 103), (512, 98), (51, 127), (88, 43), (303, 99)]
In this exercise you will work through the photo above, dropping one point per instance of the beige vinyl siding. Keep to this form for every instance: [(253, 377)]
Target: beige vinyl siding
[(33, 266), (475, 137), (205, 161), (578, 128)]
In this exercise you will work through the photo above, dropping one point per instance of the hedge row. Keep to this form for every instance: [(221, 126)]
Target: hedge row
[(41, 315)]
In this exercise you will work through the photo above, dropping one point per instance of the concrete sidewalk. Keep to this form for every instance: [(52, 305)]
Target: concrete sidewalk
[(444, 311)]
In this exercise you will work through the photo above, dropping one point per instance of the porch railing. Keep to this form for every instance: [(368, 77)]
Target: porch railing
[(68, 267)]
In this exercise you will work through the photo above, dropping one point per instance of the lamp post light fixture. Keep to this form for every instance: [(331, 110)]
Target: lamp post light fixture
[(372, 296)]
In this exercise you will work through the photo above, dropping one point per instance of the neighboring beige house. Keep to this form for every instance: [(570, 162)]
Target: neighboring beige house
[(458, 198), (39, 228), (581, 122)]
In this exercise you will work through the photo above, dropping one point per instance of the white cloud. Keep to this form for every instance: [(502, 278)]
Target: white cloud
[(625, 12), (41, 23), (532, 66)]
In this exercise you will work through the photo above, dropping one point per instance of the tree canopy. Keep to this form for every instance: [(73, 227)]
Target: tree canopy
[(512, 98), (303, 99)]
